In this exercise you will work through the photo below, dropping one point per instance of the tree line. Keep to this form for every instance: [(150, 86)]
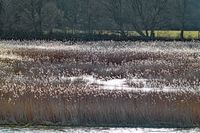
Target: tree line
[(96, 17)]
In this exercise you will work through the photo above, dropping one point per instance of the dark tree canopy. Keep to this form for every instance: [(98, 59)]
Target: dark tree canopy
[(42, 17)]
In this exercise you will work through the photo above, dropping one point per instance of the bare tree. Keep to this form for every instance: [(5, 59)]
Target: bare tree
[(1, 10), (34, 8), (89, 16), (26, 11), (116, 12), (74, 14), (39, 5), (94, 16), (147, 15), (1, 7), (71, 9), (52, 16), (33, 16), (181, 14)]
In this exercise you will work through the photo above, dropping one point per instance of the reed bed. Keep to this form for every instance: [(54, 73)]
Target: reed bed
[(35, 87), (90, 107)]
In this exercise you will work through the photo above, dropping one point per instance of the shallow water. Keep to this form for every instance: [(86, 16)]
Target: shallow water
[(97, 130), (121, 84)]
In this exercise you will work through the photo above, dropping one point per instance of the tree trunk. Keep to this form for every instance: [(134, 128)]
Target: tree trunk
[(33, 17), (123, 34), (182, 35), (147, 33), (40, 22), (152, 34), (184, 8), (39, 12), (1, 24)]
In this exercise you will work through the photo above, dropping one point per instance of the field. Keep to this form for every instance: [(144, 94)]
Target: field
[(173, 34), (167, 34), (159, 34), (149, 84)]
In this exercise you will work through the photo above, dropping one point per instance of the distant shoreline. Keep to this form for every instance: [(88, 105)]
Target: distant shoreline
[(164, 35)]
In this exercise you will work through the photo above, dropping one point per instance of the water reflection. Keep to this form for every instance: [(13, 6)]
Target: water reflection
[(96, 130)]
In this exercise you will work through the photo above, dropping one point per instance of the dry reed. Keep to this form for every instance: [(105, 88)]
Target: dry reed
[(32, 89)]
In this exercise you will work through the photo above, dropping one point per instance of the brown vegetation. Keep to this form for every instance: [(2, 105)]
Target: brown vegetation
[(80, 106), (32, 88)]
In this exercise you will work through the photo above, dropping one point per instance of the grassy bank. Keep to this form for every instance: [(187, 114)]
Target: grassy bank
[(160, 35), (172, 34)]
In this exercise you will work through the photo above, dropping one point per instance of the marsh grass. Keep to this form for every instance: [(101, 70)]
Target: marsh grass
[(35, 86), (102, 107)]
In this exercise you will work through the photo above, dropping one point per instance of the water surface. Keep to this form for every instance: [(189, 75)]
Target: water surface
[(97, 130)]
